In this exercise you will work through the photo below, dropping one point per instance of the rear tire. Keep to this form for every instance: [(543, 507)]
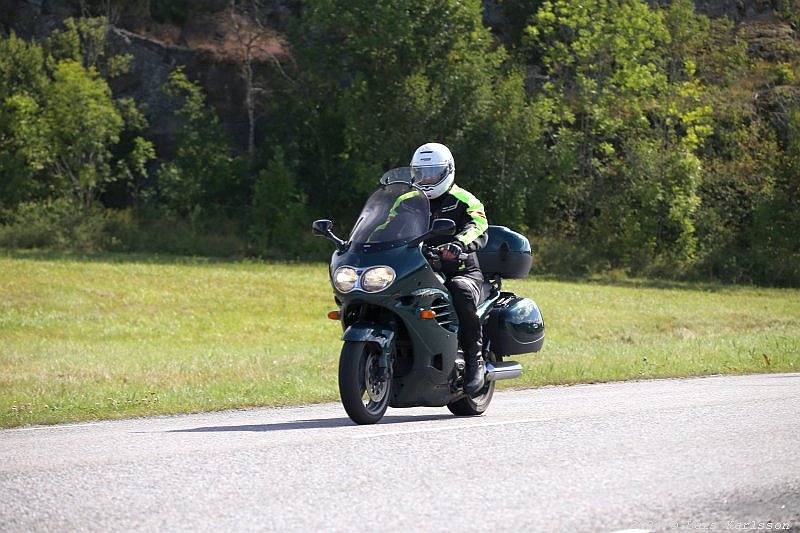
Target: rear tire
[(477, 404), (364, 397)]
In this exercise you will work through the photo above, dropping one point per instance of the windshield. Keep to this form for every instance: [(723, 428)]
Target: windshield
[(394, 215), (400, 174)]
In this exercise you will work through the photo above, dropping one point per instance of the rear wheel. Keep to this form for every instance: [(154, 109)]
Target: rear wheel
[(364, 395), (476, 404)]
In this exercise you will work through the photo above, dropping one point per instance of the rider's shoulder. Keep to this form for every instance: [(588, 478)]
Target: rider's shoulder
[(462, 194)]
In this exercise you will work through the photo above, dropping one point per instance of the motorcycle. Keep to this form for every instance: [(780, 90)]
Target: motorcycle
[(400, 327)]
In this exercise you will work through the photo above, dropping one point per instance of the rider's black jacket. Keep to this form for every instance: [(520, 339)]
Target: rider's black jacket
[(463, 208)]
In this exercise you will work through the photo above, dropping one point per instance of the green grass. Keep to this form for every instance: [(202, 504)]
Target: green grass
[(120, 335)]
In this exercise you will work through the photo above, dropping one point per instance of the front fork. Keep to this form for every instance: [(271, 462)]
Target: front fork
[(379, 334)]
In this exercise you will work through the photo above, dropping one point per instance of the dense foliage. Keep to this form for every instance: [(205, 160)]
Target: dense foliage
[(615, 134)]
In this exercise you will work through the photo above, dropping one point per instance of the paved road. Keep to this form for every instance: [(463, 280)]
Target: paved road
[(652, 455)]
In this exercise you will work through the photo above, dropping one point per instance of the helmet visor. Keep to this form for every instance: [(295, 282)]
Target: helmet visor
[(429, 175)]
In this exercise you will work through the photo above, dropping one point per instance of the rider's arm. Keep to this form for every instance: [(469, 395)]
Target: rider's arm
[(473, 235)]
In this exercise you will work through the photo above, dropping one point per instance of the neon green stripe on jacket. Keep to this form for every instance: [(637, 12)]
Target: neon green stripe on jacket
[(476, 212)]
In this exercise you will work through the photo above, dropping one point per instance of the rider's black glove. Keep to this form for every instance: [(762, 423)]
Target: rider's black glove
[(451, 250)]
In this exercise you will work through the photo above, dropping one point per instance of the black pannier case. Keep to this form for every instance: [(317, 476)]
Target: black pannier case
[(506, 253), (515, 326)]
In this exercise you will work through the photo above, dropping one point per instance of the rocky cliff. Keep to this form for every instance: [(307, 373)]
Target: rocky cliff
[(742, 10), (202, 39), (202, 43)]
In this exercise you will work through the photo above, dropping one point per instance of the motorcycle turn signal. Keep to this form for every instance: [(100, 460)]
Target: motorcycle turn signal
[(333, 315)]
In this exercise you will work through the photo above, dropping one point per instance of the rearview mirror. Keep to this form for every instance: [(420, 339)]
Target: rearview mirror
[(442, 226), (323, 228), (439, 227)]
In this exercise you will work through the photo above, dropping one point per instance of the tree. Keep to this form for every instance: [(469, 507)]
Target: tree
[(22, 133), (377, 79), (255, 43), (517, 14), (60, 127), (772, 238), (617, 103), (740, 158), (83, 124), (278, 209), (502, 156), (21, 67), (132, 154), (82, 40), (201, 174)]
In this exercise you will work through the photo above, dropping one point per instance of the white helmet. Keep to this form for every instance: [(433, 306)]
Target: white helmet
[(433, 169)]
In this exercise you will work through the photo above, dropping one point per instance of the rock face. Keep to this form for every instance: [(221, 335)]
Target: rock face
[(740, 10), (156, 50), (771, 40), (33, 18), (149, 69), (199, 43)]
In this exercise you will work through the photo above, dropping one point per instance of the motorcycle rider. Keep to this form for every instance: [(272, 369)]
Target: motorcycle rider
[(433, 170)]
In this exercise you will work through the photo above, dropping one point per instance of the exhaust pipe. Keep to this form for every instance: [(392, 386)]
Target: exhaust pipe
[(504, 370)]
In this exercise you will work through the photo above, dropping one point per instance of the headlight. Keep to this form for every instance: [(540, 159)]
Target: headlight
[(344, 279), (377, 278)]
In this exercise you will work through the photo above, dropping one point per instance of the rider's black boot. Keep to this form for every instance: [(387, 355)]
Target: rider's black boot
[(474, 375)]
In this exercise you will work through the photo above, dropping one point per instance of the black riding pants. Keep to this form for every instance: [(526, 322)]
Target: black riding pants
[(466, 293)]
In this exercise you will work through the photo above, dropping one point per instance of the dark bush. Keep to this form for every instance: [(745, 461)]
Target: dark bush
[(174, 11)]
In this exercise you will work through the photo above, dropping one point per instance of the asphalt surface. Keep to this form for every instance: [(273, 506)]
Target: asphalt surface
[(717, 453)]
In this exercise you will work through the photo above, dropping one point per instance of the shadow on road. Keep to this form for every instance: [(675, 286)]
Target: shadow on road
[(311, 424)]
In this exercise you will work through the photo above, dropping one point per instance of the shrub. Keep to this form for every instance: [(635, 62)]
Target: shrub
[(55, 224)]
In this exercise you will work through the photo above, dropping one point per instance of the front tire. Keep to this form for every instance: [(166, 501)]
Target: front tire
[(363, 395)]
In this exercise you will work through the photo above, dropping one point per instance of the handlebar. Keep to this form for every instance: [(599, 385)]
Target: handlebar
[(435, 251)]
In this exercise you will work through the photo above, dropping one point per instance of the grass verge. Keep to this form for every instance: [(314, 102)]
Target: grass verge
[(119, 335)]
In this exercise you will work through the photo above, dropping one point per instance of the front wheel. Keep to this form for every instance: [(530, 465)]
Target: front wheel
[(364, 394)]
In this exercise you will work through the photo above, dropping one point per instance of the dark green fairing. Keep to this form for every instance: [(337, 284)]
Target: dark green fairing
[(425, 349)]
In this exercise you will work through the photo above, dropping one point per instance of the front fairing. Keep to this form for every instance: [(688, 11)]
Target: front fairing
[(394, 215), (375, 243), (410, 267), (416, 287)]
